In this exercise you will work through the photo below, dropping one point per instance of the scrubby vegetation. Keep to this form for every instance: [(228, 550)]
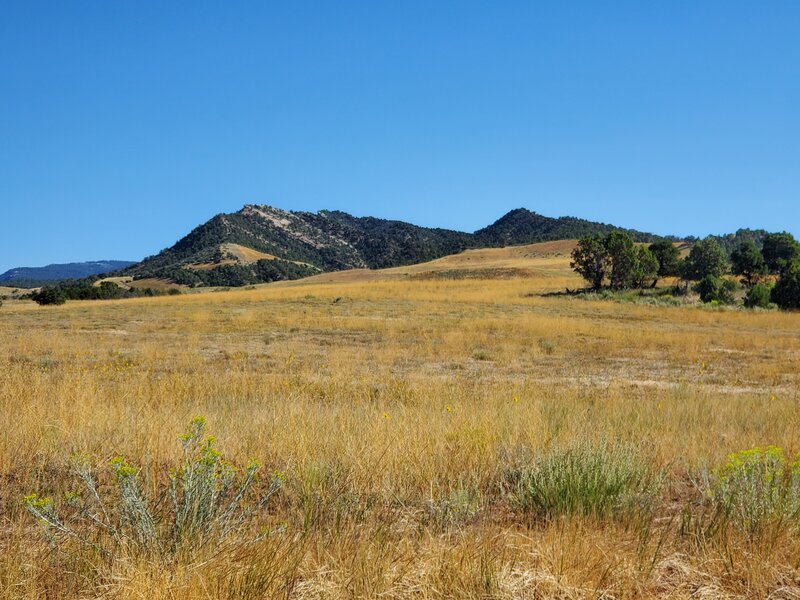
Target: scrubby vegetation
[(231, 275), (201, 504), (615, 259), (51, 295), (87, 290), (757, 488)]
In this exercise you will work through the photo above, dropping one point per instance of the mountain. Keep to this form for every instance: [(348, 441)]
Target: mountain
[(261, 243), (521, 226), (36, 276)]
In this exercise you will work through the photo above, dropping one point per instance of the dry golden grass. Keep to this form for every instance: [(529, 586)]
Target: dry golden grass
[(237, 254), (13, 292), (382, 396), (129, 282), (120, 281), (244, 254), (545, 260)]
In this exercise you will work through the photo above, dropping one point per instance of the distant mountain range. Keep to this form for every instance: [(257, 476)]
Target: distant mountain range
[(36, 276), (261, 243)]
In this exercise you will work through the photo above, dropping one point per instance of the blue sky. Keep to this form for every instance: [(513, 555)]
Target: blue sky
[(123, 125)]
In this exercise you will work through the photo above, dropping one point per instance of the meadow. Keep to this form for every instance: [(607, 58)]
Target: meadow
[(417, 429)]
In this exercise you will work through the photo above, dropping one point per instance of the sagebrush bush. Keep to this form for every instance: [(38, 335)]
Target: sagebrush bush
[(454, 507), (757, 487), (585, 479), (202, 503), (546, 345)]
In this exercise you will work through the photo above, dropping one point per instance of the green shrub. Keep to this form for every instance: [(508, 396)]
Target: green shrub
[(758, 296), (585, 479), (715, 289), (47, 296), (757, 487), (202, 504)]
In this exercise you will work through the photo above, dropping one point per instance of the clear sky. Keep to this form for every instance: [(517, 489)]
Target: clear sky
[(125, 124)]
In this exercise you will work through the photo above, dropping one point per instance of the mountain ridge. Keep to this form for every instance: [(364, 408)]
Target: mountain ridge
[(301, 243), (36, 276)]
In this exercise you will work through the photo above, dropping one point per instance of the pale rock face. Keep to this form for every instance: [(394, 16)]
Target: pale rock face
[(296, 228), (280, 218)]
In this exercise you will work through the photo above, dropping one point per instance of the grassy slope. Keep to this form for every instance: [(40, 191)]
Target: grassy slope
[(411, 390), (546, 259)]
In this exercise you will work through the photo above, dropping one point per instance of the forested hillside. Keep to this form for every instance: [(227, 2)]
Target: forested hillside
[(302, 243)]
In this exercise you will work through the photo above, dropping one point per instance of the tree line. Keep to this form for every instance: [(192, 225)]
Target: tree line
[(769, 274), (86, 290)]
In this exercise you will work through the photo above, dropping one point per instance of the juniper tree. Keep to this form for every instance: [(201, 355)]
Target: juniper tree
[(748, 262), (706, 258), (590, 260)]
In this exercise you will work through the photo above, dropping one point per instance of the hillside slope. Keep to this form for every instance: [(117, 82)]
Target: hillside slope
[(545, 262), (299, 244)]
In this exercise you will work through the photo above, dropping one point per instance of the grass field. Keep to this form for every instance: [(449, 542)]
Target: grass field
[(411, 416)]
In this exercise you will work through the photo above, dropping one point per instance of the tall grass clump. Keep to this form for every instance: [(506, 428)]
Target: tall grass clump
[(201, 504), (585, 479), (756, 488)]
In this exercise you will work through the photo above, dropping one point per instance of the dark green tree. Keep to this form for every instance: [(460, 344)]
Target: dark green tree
[(668, 257), (779, 250), (646, 271), (786, 293), (748, 263), (705, 258), (590, 260), (624, 258)]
